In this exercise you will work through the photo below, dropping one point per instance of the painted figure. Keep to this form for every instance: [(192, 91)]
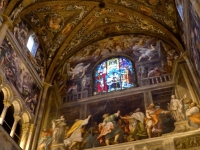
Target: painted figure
[(73, 89), (45, 140), (31, 101), (58, 126), (90, 137), (193, 113), (109, 129), (176, 108), (153, 120), (145, 53), (85, 83), (80, 68), (74, 135), (136, 125)]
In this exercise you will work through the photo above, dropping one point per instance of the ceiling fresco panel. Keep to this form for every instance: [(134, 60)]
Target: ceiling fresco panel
[(64, 26)]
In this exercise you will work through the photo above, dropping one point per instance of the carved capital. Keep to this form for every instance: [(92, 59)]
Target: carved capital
[(7, 103), (25, 127), (17, 117)]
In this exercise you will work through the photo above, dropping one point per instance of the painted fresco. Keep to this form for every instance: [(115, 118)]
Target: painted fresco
[(195, 39), (152, 60), (111, 122), (122, 119), (22, 31), (18, 75)]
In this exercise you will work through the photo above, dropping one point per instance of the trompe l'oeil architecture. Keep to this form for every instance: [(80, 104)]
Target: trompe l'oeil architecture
[(99, 74)]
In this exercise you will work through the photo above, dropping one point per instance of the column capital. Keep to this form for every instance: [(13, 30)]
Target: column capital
[(17, 117), (6, 20), (7, 103), (46, 85), (26, 126)]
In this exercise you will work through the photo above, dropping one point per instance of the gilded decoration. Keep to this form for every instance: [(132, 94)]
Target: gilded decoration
[(64, 26), (54, 22)]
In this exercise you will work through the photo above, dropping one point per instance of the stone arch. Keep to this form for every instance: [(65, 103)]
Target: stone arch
[(7, 91), (17, 106)]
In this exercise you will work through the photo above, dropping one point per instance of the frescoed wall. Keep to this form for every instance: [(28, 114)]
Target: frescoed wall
[(195, 38), (116, 120), (22, 32), (18, 75), (152, 62)]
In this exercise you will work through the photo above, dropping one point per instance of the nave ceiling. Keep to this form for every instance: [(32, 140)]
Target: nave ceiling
[(66, 27)]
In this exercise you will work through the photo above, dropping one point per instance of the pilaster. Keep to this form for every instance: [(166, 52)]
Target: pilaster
[(24, 134), (40, 114), (30, 136)]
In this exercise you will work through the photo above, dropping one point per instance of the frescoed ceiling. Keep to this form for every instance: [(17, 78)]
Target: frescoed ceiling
[(65, 27)]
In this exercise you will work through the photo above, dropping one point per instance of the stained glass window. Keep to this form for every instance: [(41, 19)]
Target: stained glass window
[(113, 74)]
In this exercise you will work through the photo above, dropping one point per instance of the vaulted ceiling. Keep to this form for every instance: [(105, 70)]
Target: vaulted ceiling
[(65, 27)]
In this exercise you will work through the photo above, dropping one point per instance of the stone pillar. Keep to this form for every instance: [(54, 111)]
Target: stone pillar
[(40, 114), (190, 88), (30, 136), (24, 134), (4, 27), (16, 119), (3, 114)]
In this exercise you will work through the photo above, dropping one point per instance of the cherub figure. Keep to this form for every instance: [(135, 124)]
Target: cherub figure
[(80, 68)]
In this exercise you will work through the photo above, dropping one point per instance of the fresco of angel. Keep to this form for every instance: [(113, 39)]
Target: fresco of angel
[(148, 52), (80, 68)]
